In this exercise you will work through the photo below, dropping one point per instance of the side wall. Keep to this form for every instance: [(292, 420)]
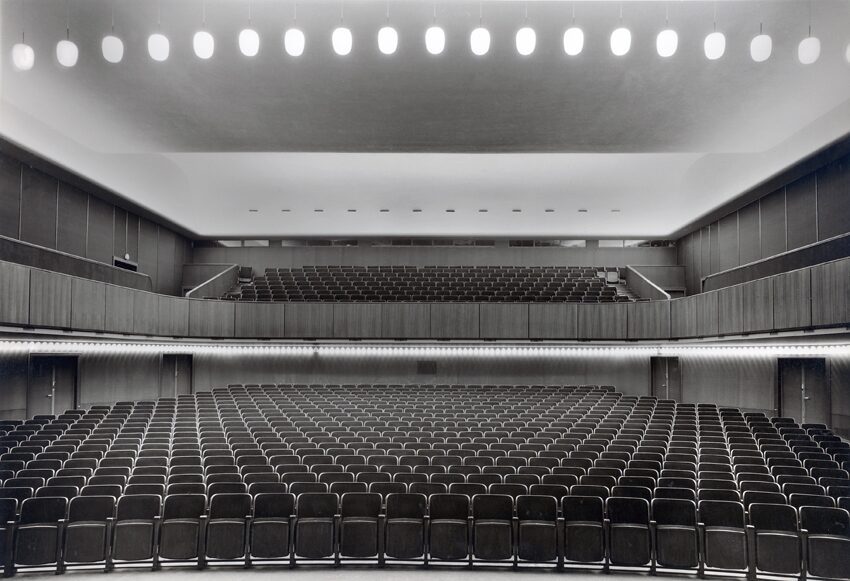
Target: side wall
[(39, 208), (809, 209)]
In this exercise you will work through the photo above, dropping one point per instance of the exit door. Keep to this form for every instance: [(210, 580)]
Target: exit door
[(804, 390), (666, 378), (175, 375), (51, 384)]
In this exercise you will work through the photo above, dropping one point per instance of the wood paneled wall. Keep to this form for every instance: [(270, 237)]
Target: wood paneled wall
[(812, 208), (41, 209), (814, 297)]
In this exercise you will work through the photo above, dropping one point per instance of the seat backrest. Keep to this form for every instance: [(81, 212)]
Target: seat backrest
[(184, 506), (91, 508), (773, 517), (316, 505), (622, 510), (362, 504), (448, 507), (48, 509), (138, 507), (583, 509), (538, 508), (230, 505), (825, 521), (672, 511), (406, 505), (274, 505), (492, 507)]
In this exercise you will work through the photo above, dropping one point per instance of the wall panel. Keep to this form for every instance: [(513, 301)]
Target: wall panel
[(120, 309), (503, 321), (145, 313), (683, 318), (88, 305), (260, 320), (100, 239), (309, 320), (834, 199), (792, 299), (165, 267), (211, 318), (133, 237), (747, 382), (758, 305), (727, 242), (148, 250), (707, 314), (454, 321), (14, 293), (714, 238), (705, 253), (362, 320), (553, 321), (409, 320), (649, 320), (801, 208), (830, 288), (730, 308), (773, 229), (119, 233), (749, 246), (50, 299), (73, 220), (10, 198), (38, 208), (173, 316), (602, 321)]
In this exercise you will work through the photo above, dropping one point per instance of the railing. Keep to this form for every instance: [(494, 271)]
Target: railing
[(803, 299), (643, 287), (221, 278)]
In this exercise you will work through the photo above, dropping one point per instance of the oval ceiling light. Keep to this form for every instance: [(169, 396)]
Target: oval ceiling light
[(249, 42), (761, 47), (23, 56), (714, 46), (387, 40), (621, 41), (112, 48), (479, 41), (808, 50), (667, 43), (158, 47), (67, 53), (342, 41), (574, 41), (435, 40), (204, 44), (847, 53), (294, 42), (526, 40)]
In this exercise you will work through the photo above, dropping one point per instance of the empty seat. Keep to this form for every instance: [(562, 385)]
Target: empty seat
[(777, 540), (271, 526), (134, 529), (827, 541), (449, 526), (584, 529), (86, 530), (36, 537), (676, 537), (493, 537), (538, 536), (405, 526), (315, 526), (227, 526), (359, 525), (180, 531)]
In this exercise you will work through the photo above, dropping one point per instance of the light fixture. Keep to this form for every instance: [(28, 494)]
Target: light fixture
[(342, 41), (294, 42), (112, 48), (526, 41), (435, 40), (666, 43), (573, 41), (158, 47), (67, 53), (23, 56), (808, 51), (249, 42), (761, 48), (621, 41), (479, 41), (387, 40), (714, 45), (847, 53), (203, 42)]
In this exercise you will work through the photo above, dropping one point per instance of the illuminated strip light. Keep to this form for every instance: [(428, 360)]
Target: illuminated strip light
[(521, 351)]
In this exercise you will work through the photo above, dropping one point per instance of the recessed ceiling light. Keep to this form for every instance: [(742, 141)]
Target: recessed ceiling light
[(574, 41), (294, 42), (809, 50), (249, 42), (203, 44), (615, 210), (112, 48), (383, 210), (667, 43), (761, 48), (479, 41), (516, 210), (417, 210), (286, 210), (352, 210), (450, 210), (549, 210), (253, 210), (387, 40), (483, 210), (526, 41), (318, 210), (714, 46), (582, 210), (158, 47), (435, 40), (23, 56), (621, 41), (342, 41)]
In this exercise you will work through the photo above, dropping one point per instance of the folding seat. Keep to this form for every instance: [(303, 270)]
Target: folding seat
[(181, 530), (728, 495), (468, 489), (67, 492), (181, 488), (38, 532), (798, 500), (18, 493), (8, 513), (227, 526), (314, 525), (512, 490), (629, 534), (405, 526), (584, 530), (632, 492), (827, 539), (590, 490), (427, 488), (87, 530), (449, 532), (538, 532), (776, 539), (493, 537), (676, 539)]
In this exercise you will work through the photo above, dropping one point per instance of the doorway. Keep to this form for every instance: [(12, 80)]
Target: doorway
[(175, 377), (51, 384), (804, 391), (666, 378)]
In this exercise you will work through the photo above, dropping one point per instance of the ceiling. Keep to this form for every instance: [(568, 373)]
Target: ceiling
[(351, 146)]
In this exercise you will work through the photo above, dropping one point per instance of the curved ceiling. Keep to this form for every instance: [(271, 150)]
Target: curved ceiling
[(645, 145)]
